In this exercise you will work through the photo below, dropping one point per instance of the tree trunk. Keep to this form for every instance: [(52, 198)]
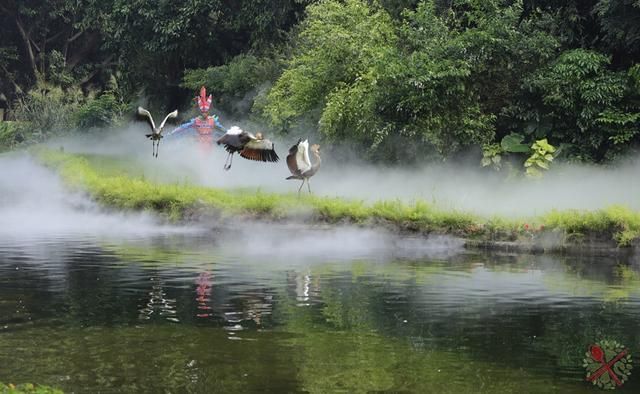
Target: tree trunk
[(26, 39)]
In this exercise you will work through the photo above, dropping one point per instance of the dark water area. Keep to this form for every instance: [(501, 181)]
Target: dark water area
[(344, 311)]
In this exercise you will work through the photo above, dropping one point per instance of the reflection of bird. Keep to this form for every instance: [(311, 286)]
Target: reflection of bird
[(156, 132), (299, 163), (158, 303), (252, 147)]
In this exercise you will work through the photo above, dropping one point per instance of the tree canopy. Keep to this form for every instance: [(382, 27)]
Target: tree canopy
[(401, 80)]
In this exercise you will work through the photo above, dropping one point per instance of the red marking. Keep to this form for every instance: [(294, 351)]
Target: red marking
[(203, 291), (204, 102), (598, 354)]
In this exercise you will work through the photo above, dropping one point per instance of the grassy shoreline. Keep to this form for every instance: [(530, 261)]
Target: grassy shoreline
[(614, 226), (26, 388)]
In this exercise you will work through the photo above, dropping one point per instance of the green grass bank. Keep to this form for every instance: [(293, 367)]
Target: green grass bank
[(27, 388), (614, 226)]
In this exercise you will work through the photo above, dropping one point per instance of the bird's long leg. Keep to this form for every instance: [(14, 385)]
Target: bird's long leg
[(309, 184), (230, 160), (157, 146), (226, 161), (300, 188)]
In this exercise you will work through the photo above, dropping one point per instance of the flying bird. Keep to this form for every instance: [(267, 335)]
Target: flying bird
[(299, 163), (251, 147), (156, 132)]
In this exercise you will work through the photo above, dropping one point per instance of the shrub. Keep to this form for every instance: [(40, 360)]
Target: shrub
[(104, 111), (46, 109), (9, 135)]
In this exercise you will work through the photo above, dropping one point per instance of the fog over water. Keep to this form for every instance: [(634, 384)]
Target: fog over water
[(465, 187), (34, 203)]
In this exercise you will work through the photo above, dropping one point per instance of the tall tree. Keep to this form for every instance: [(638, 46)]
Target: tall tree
[(157, 41), (56, 40)]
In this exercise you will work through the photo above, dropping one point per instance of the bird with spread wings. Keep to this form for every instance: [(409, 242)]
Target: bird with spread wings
[(156, 132), (299, 163), (251, 147)]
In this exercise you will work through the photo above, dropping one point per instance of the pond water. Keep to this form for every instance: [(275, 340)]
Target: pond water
[(274, 308), (103, 302)]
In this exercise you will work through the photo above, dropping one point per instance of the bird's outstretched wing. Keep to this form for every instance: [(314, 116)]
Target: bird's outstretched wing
[(173, 114), (291, 158), (234, 139), (302, 156), (147, 114), (259, 150)]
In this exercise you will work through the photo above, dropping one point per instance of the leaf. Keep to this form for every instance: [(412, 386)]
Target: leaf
[(544, 144), (513, 143), (543, 165)]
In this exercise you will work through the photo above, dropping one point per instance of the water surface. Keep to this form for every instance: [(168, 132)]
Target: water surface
[(354, 311)]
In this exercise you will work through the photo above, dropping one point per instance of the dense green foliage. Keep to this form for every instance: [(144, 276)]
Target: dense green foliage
[(9, 135), (469, 75), (399, 80)]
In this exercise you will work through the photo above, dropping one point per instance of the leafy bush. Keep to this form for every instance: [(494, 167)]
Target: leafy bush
[(540, 159), (491, 156), (9, 135), (235, 81), (333, 77), (594, 109), (46, 109), (104, 111)]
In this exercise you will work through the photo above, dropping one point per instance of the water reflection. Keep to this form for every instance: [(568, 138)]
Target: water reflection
[(251, 309), (158, 303), (302, 283), (203, 294), (82, 314)]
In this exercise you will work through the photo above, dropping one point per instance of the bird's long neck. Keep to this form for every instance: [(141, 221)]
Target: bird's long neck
[(318, 160), (316, 165)]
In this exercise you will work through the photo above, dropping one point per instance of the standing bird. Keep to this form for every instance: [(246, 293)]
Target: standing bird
[(156, 133), (251, 147), (299, 163)]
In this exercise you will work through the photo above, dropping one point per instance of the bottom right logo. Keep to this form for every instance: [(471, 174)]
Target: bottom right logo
[(608, 364)]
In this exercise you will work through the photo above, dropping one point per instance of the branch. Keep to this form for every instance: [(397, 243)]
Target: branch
[(106, 63), (81, 51), (16, 87), (34, 44), (10, 8), (75, 36), (53, 37)]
